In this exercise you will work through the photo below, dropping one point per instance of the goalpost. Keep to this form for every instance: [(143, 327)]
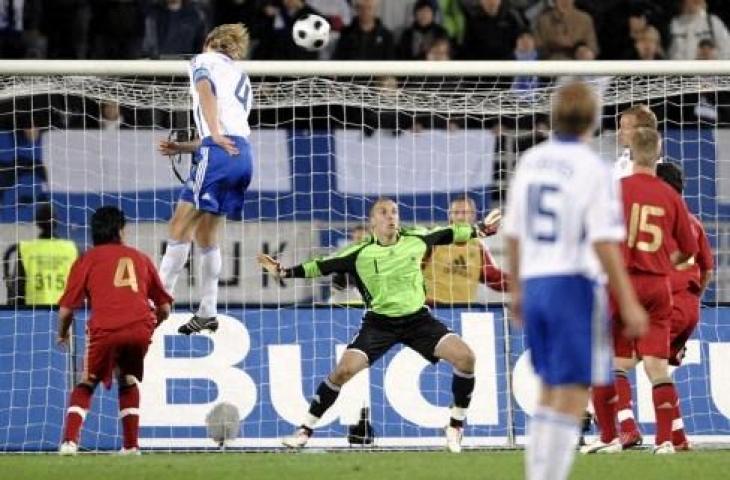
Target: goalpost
[(328, 137)]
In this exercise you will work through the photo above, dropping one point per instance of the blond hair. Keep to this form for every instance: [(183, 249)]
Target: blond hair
[(645, 146), (643, 115), (575, 109), (231, 39)]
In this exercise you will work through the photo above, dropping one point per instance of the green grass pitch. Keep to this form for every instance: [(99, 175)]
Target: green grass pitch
[(483, 465)]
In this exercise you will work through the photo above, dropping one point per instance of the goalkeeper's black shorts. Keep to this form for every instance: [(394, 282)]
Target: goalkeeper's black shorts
[(420, 331)]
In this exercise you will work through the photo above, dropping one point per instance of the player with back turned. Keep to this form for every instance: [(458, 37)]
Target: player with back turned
[(564, 227), (119, 282), (387, 270), (222, 166), (659, 237)]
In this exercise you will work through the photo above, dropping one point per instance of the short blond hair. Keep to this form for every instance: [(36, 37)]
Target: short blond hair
[(575, 109), (231, 39), (643, 115), (645, 146)]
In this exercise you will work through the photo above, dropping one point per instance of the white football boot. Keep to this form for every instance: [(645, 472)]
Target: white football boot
[(597, 446), (68, 449)]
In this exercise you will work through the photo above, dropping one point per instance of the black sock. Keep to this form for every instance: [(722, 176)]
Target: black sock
[(326, 395), (462, 385)]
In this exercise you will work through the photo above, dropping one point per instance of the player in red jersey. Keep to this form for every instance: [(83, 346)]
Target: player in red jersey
[(119, 282), (689, 281), (659, 237)]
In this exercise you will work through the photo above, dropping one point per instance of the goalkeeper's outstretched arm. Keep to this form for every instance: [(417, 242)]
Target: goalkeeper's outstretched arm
[(341, 262)]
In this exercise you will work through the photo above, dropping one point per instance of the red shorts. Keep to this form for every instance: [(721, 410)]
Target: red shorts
[(654, 293), (122, 349), (685, 317)]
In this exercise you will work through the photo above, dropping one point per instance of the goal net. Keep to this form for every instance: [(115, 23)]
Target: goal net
[(325, 147)]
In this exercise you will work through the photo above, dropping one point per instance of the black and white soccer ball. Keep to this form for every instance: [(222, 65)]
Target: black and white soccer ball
[(223, 423), (311, 32)]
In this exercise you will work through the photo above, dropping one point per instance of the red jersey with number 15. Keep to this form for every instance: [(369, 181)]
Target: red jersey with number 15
[(119, 281), (657, 223)]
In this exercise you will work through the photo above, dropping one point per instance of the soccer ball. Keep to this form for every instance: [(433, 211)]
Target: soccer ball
[(223, 423), (311, 32)]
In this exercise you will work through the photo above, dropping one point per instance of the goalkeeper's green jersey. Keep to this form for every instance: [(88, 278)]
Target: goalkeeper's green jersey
[(388, 277)]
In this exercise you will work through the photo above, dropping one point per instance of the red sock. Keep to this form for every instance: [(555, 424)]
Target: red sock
[(663, 394), (604, 401), (129, 413), (78, 406), (678, 436), (624, 404)]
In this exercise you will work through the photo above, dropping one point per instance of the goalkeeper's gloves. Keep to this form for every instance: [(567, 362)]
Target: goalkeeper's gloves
[(490, 224), (273, 267)]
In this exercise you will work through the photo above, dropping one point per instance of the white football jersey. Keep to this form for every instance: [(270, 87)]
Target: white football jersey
[(562, 199), (232, 89), (624, 166)]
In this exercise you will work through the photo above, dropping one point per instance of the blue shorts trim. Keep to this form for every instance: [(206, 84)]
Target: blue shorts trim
[(566, 321), (217, 182)]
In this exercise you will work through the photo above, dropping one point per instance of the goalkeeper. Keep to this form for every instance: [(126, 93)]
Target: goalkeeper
[(387, 269)]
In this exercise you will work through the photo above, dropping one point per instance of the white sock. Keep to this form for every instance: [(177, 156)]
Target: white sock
[(173, 262), (535, 460), (560, 441), (210, 271)]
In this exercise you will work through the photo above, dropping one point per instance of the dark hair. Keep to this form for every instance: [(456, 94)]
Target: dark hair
[(45, 220), (378, 201), (106, 225), (423, 4), (672, 175)]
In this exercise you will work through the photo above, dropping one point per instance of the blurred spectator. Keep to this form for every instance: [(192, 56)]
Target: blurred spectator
[(17, 22), (560, 28), (23, 176), (41, 266), (583, 52), (276, 42), (525, 50), (453, 19), (453, 272), (707, 50), (648, 45), (65, 26), (116, 29), (693, 24), (365, 38), (344, 285), (395, 15), (417, 39), (439, 50), (491, 34), (174, 27), (337, 12)]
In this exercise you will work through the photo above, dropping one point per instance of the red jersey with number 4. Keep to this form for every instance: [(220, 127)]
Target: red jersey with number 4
[(687, 275), (119, 281), (657, 224)]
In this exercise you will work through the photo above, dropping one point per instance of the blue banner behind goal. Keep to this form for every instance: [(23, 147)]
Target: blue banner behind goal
[(268, 362)]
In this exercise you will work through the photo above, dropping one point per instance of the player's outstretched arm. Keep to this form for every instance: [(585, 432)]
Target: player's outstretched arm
[(209, 106), (341, 262), (633, 315)]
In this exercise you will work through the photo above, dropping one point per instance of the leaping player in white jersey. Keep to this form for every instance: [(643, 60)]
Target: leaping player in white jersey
[(564, 225), (222, 166), (636, 116)]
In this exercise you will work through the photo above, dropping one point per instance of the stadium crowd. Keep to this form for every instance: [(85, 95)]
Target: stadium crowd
[(373, 29)]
